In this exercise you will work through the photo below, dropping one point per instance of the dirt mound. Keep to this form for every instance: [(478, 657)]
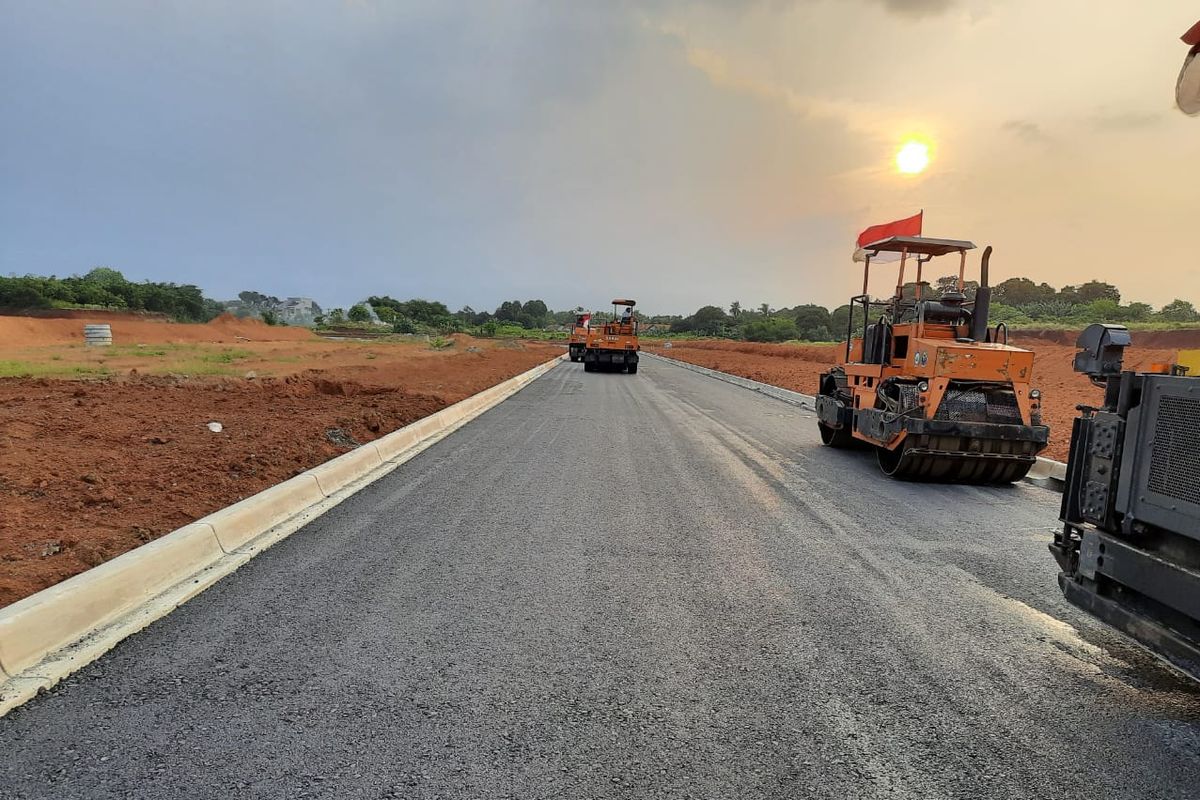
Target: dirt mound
[(1187, 339), (92, 468), (804, 352), (256, 330), (29, 331)]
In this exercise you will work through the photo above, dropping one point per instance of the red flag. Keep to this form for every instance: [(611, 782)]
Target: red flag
[(909, 226), (1192, 37)]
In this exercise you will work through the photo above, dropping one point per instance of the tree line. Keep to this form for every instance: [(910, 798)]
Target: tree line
[(1016, 301), (107, 288), (432, 316)]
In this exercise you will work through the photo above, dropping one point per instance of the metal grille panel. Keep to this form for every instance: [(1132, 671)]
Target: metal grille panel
[(1175, 460), (1002, 407), (978, 405)]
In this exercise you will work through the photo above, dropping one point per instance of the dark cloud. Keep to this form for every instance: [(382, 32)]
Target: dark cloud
[(1027, 131)]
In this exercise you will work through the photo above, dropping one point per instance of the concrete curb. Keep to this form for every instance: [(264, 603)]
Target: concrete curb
[(806, 401), (1047, 473), (49, 635)]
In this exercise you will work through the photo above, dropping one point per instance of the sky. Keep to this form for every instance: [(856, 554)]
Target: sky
[(682, 153)]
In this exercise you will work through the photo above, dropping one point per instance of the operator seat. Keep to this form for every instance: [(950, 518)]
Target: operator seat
[(877, 343)]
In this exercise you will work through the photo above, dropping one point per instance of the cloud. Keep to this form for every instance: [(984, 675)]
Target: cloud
[(721, 72), (919, 8), (1124, 120), (1028, 131), (726, 74)]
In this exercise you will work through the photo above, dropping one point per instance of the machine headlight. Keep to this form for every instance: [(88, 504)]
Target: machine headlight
[(1035, 393), (923, 386)]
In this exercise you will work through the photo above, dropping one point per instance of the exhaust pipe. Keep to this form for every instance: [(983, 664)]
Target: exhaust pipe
[(983, 300)]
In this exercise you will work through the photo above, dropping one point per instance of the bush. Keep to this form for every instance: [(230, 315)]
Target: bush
[(771, 329), (405, 325), (813, 323), (1179, 311)]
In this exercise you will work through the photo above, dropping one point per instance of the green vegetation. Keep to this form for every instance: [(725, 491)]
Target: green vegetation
[(226, 356), (512, 319), (23, 369), (107, 288), (1018, 302), (1021, 302), (810, 323)]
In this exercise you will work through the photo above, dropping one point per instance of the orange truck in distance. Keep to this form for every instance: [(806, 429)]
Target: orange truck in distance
[(613, 346), (578, 339)]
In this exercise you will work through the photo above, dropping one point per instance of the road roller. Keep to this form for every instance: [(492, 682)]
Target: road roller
[(613, 345), (926, 382)]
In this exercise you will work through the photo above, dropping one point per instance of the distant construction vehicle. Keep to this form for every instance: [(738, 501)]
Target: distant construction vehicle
[(1130, 544), (577, 341), (939, 395), (613, 346)]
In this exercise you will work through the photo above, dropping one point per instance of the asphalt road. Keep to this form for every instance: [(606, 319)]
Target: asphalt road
[(629, 586)]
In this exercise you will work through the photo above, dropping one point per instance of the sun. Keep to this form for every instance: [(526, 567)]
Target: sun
[(913, 157)]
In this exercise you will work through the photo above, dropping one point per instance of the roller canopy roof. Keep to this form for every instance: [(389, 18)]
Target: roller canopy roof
[(918, 245)]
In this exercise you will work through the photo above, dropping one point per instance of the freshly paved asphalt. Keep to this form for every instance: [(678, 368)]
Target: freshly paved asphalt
[(629, 586)]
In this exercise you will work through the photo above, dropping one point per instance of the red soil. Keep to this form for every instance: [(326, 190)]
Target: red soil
[(91, 469), (29, 331), (798, 367)]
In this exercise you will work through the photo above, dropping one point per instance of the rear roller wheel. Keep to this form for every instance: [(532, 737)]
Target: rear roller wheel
[(892, 462), (835, 437), (907, 466)]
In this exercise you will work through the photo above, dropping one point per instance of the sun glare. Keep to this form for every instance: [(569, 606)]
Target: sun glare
[(913, 157)]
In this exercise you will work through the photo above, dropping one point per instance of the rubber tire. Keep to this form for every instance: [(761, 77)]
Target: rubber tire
[(633, 369), (589, 366)]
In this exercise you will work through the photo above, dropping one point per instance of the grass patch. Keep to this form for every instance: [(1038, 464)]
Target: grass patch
[(226, 356), (25, 369)]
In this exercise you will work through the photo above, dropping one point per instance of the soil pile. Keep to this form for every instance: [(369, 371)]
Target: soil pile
[(128, 329), (91, 469)]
